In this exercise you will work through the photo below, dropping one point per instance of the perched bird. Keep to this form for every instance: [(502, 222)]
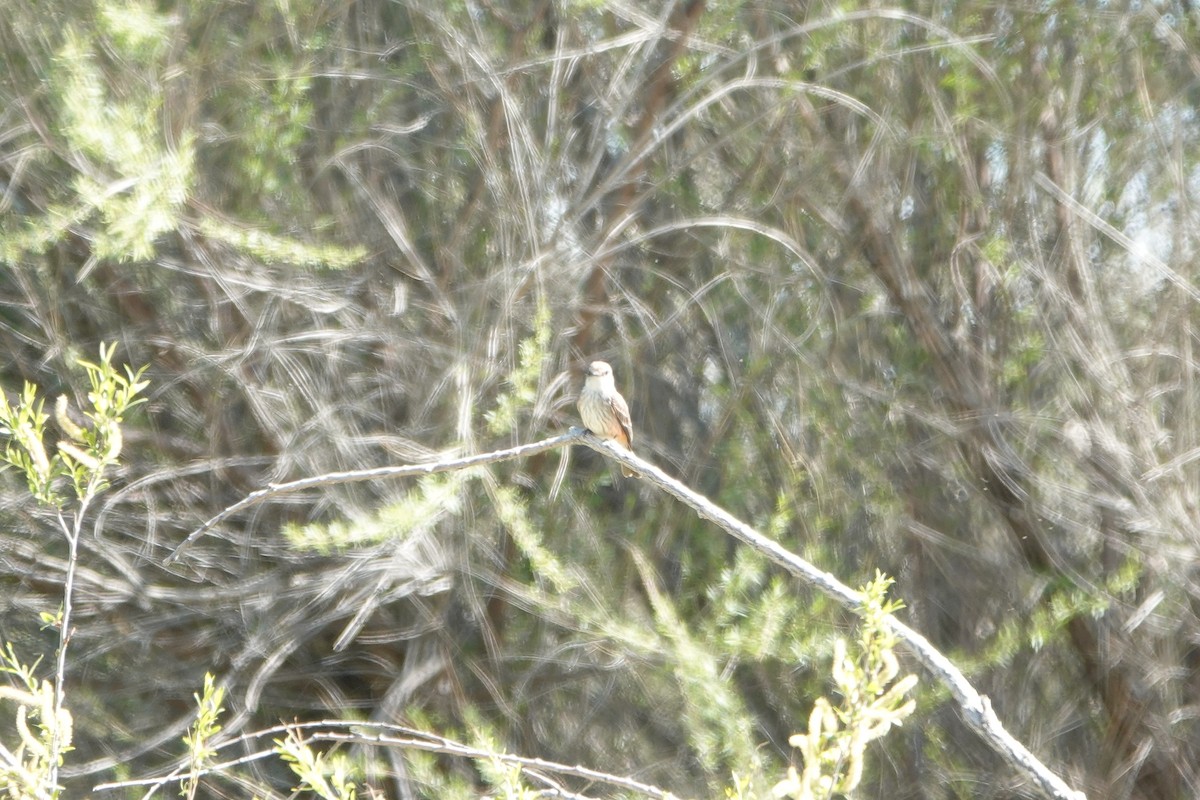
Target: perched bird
[(603, 410)]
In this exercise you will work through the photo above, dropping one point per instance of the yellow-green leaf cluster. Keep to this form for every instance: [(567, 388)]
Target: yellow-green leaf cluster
[(84, 451), (43, 729), (873, 701)]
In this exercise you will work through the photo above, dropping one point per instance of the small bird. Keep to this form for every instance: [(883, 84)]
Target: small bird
[(604, 411)]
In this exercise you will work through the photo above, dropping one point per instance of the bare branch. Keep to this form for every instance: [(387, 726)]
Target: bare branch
[(358, 475), (386, 734)]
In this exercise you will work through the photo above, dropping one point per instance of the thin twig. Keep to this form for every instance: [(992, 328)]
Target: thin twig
[(355, 476), (385, 734), (72, 532), (419, 740)]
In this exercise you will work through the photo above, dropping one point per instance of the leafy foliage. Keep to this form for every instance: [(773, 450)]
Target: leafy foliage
[(873, 702), (41, 725), (87, 450), (323, 776), (199, 737)]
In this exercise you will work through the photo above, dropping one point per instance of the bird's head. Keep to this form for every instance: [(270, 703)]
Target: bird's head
[(598, 369)]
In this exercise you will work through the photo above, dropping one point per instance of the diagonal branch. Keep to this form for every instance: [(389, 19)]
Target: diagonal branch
[(976, 709)]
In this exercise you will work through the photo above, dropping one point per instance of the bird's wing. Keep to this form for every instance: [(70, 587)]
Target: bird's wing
[(621, 411)]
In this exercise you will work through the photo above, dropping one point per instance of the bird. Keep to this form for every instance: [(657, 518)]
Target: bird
[(604, 411)]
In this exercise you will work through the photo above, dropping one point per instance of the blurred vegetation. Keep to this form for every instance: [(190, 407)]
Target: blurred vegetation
[(910, 287)]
